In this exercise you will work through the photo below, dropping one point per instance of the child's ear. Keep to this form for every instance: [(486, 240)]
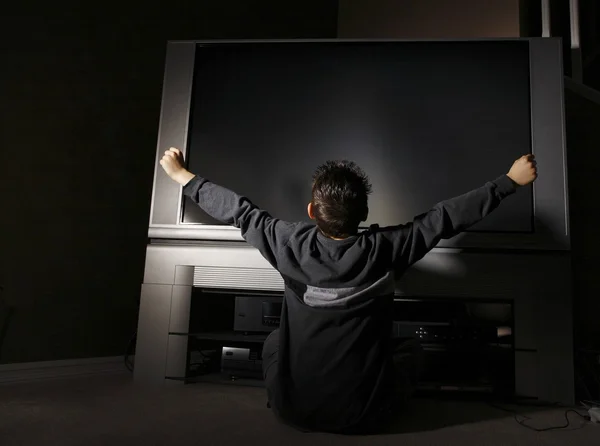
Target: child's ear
[(309, 209)]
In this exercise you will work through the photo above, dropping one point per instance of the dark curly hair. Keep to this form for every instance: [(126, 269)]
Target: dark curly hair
[(340, 198)]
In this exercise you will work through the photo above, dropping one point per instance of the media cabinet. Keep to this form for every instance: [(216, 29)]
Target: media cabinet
[(538, 283)]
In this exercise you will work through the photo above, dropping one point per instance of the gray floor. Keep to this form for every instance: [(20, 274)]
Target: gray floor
[(110, 410)]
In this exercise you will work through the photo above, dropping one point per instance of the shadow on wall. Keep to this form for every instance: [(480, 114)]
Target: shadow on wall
[(84, 95)]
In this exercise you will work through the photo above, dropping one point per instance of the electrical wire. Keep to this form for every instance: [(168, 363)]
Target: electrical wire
[(130, 348), (208, 357), (551, 428), (588, 404), (524, 418)]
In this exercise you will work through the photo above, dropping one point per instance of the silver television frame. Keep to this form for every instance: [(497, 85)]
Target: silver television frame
[(551, 216), (536, 278)]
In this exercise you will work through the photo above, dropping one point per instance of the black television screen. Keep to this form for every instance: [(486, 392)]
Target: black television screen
[(425, 120)]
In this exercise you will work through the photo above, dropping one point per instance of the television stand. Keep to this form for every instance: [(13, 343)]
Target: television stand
[(540, 296)]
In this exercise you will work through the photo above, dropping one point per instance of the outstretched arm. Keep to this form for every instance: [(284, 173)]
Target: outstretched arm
[(446, 219), (258, 228)]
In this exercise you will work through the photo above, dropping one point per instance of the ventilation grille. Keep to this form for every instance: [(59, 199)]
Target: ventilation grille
[(237, 278)]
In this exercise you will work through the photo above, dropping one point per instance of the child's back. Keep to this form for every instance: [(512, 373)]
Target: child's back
[(329, 367)]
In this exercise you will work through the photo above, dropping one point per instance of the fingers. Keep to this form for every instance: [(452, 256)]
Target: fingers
[(533, 164), (529, 158)]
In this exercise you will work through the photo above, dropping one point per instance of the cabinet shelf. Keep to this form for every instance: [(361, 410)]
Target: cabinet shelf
[(217, 378), (225, 335)]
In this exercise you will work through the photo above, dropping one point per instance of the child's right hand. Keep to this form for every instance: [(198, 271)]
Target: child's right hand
[(524, 170), (172, 163)]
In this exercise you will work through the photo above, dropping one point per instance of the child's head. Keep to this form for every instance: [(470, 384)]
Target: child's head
[(339, 198)]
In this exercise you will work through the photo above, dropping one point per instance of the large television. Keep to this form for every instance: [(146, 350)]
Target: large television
[(426, 120)]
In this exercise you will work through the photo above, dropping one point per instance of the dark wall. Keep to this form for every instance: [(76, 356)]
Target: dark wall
[(583, 140), (589, 21), (471, 18), (437, 19), (81, 101), (80, 104)]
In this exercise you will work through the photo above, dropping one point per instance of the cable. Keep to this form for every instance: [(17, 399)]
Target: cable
[(522, 422), (205, 364), (203, 355), (130, 364), (588, 404), (545, 429)]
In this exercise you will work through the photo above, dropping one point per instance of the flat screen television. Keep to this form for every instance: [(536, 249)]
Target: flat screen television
[(426, 120)]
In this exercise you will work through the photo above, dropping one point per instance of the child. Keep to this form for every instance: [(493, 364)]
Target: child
[(331, 365)]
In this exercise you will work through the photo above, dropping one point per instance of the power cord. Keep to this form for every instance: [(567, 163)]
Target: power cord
[(523, 418), (130, 350), (208, 358), (545, 429)]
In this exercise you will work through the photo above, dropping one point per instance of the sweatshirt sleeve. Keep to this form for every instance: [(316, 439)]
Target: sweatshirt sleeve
[(410, 242), (269, 235)]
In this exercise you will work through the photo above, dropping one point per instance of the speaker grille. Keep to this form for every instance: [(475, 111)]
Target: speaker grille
[(238, 278)]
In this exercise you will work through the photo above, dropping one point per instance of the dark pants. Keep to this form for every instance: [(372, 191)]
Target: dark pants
[(407, 358), (270, 355)]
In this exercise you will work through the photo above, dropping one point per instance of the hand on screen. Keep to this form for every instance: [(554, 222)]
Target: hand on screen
[(173, 165), (524, 170)]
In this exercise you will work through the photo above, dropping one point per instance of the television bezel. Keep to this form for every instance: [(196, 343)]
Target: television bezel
[(548, 144)]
